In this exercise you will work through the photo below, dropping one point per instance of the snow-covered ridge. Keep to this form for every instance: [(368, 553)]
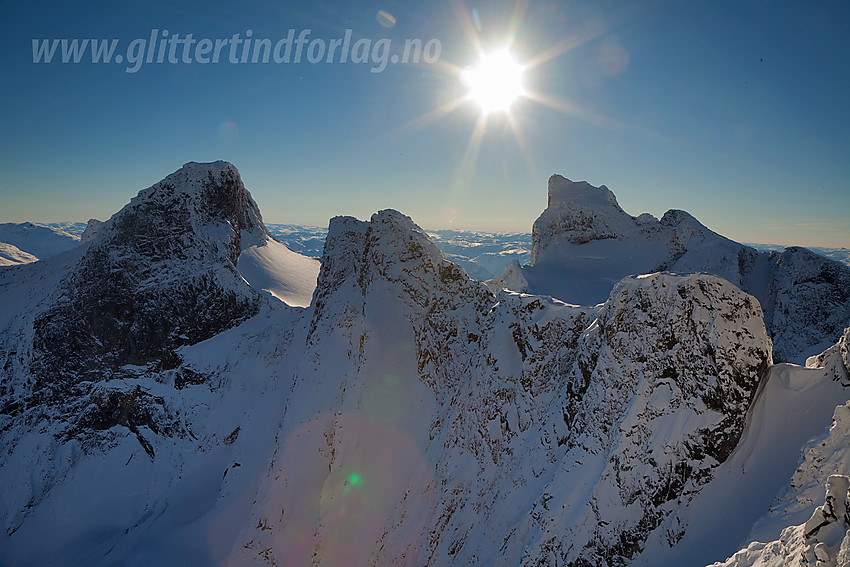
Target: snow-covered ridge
[(584, 243), (11, 255), (503, 405), (159, 274), (157, 407), (39, 240)]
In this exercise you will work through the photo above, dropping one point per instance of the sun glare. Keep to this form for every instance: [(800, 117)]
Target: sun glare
[(496, 82)]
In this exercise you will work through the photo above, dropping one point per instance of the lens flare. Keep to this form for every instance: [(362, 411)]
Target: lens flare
[(385, 19), (353, 480)]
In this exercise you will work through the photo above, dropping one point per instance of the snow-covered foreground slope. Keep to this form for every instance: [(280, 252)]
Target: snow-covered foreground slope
[(583, 243), (804, 527), (155, 481), (824, 540), (157, 407)]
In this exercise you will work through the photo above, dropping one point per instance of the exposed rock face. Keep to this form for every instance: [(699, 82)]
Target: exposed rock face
[(579, 213), (160, 274), (663, 350), (501, 407), (807, 301), (157, 276), (583, 243)]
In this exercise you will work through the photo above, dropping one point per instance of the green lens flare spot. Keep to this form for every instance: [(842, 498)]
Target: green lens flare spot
[(351, 481)]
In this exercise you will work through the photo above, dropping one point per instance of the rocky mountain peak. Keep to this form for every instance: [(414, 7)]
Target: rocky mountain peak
[(390, 244), (562, 192), (159, 274), (584, 243), (394, 250), (676, 217), (579, 213), (201, 205)]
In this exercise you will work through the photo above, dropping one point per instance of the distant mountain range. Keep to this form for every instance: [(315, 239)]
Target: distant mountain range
[(482, 254)]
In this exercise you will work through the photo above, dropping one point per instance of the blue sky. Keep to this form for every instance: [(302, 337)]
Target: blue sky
[(734, 111)]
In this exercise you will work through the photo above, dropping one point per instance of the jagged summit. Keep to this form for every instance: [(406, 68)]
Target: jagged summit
[(201, 205), (563, 191), (584, 243), (388, 233), (184, 260), (579, 213), (390, 247)]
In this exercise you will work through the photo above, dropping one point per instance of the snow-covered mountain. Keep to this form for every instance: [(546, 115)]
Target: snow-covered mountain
[(182, 389), (12, 255), (42, 241), (838, 254), (454, 426), (583, 243), (482, 255)]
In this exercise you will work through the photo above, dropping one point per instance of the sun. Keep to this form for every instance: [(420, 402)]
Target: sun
[(496, 82)]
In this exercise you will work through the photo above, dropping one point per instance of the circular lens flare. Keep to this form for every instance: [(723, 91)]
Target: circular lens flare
[(496, 82)]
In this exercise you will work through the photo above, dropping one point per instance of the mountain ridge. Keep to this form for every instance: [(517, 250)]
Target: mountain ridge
[(583, 243), (406, 414)]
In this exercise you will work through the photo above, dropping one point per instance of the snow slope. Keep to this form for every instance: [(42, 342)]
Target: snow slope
[(274, 268), (794, 405), (824, 540), (41, 241), (12, 255)]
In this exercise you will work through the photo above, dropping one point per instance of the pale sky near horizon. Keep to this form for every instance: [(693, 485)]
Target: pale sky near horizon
[(733, 111)]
